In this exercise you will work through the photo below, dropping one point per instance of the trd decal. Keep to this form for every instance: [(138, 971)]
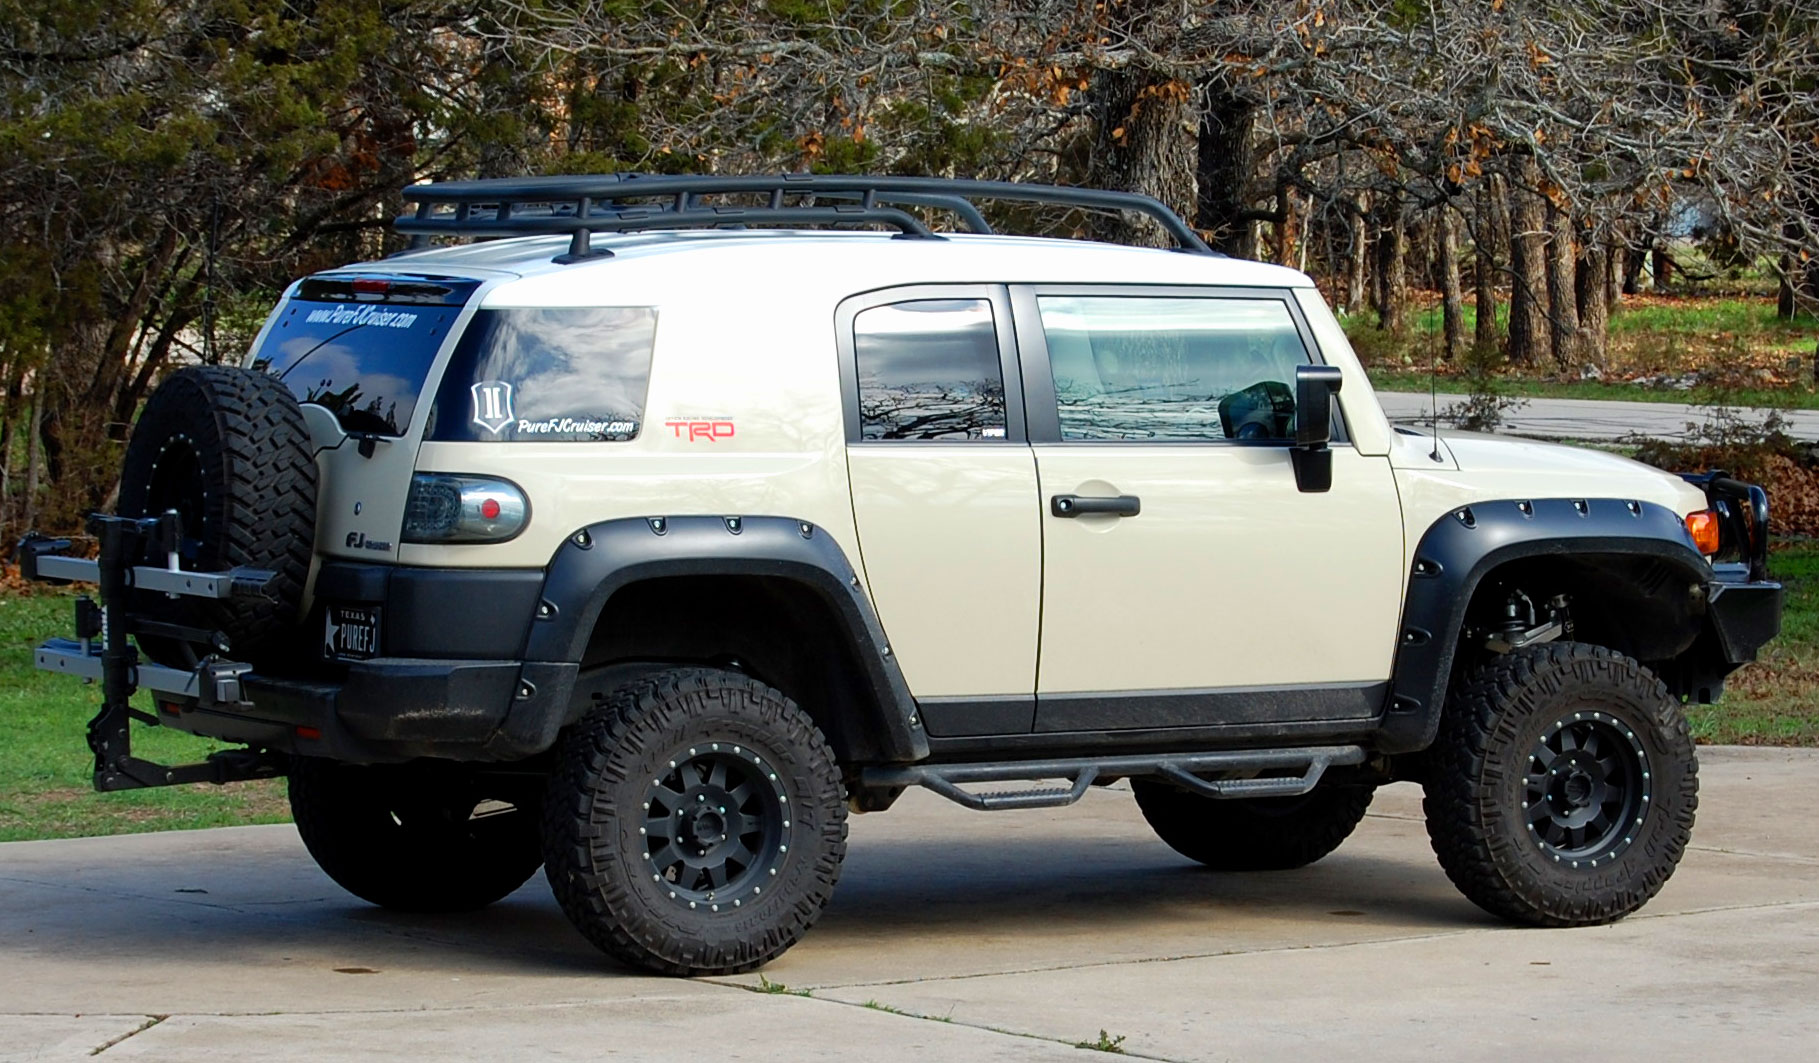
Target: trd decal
[(696, 431), (492, 405)]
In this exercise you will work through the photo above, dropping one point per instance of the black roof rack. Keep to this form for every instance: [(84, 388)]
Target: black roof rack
[(582, 205)]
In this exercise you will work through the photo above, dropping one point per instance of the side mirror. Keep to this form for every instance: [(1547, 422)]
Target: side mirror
[(1315, 386)]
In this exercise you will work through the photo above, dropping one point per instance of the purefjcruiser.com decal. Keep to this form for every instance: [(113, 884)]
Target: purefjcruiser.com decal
[(492, 405), (616, 428)]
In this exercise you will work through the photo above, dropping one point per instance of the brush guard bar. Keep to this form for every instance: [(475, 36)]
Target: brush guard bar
[(1743, 525), (103, 650)]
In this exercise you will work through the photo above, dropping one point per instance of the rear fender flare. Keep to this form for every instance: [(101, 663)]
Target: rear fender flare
[(596, 561)]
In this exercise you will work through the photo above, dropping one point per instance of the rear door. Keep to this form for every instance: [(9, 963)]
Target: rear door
[(1215, 592), (360, 347), (945, 499)]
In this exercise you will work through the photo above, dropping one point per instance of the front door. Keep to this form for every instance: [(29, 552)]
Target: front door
[(1187, 581)]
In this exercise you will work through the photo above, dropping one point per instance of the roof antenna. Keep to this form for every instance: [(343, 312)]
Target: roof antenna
[(1433, 393), (1433, 400)]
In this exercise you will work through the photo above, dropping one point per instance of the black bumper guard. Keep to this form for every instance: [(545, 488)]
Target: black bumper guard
[(103, 650)]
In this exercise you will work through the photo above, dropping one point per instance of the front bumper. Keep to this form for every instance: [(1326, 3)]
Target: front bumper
[(1744, 614)]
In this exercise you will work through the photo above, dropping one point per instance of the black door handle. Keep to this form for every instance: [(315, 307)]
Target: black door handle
[(1074, 505)]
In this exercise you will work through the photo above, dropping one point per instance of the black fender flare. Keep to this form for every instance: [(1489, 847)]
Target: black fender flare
[(596, 561), (1461, 548)]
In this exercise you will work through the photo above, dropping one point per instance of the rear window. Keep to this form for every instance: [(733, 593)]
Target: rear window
[(362, 346), (548, 375)]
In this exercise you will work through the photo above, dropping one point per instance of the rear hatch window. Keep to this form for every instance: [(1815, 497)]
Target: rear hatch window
[(559, 374), (362, 345)]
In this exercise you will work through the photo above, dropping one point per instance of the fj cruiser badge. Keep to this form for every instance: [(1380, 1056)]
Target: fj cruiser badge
[(492, 405)]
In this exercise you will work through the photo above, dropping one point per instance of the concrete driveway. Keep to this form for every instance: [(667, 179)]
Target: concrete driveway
[(955, 935)]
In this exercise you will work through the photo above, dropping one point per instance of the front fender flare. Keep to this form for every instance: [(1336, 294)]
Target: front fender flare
[(1459, 549)]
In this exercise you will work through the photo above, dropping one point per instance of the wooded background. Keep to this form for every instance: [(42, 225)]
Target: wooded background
[(166, 166)]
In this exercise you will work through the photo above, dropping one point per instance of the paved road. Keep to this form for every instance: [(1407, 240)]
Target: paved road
[(955, 935), (1589, 419)]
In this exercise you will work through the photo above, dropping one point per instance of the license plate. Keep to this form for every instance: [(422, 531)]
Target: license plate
[(352, 632)]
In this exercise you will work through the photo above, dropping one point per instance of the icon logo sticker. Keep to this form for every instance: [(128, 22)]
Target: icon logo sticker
[(492, 405)]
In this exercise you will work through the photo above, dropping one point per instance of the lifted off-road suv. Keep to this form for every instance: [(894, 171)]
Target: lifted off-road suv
[(645, 544)]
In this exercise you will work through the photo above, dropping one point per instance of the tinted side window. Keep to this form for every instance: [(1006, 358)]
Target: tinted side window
[(548, 375), (928, 369), (1167, 368)]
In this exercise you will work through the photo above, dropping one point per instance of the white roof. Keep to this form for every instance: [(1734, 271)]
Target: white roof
[(652, 267)]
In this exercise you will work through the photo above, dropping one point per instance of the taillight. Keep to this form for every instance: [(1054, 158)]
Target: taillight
[(1703, 526), (445, 508)]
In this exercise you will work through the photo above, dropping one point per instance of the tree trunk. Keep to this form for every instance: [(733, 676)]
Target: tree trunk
[(1485, 345), (1529, 341), (1562, 285), (1288, 230), (1357, 256), (1613, 271), (1392, 268), (1785, 304), (1144, 142), (1660, 264), (1634, 258), (34, 420), (1592, 298), (1452, 294), (1223, 167)]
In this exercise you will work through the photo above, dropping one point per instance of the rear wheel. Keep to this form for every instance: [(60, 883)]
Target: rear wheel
[(1562, 786), (417, 837), (1252, 833), (695, 824)]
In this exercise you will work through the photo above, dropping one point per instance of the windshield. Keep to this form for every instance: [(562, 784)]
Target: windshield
[(362, 347)]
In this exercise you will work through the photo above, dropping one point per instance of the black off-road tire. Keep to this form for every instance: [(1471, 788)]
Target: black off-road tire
[(1252, 833), (417, 837), (672, 777), (228, 449), (1539, 739)]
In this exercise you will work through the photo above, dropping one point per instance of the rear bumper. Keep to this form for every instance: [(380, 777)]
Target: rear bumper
[(392, 709)]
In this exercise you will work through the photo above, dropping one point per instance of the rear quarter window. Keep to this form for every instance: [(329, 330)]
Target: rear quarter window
[(547, 375)]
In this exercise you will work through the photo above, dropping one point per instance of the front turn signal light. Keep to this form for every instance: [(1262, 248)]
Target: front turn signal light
[(1703, 526)]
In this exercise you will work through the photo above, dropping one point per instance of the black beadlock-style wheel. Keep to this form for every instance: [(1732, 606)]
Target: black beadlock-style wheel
[(417, 837), (695, 823), (1563, 786), (1254, 833), (226, 448)]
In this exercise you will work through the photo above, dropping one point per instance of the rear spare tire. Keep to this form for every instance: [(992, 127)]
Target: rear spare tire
[(226, 448)]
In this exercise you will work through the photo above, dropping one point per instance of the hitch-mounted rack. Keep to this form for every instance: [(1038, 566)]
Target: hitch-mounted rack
[(103, 649)]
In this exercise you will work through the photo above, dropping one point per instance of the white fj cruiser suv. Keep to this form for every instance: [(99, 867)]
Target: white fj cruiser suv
[(645, 544)]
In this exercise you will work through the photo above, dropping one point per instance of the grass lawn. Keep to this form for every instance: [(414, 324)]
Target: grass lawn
[(1781, 398), (1776, 700), (44, 764), (1743, 354)]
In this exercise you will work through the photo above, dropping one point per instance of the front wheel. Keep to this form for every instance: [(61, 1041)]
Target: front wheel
[(695, 824), (1563, 786)]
